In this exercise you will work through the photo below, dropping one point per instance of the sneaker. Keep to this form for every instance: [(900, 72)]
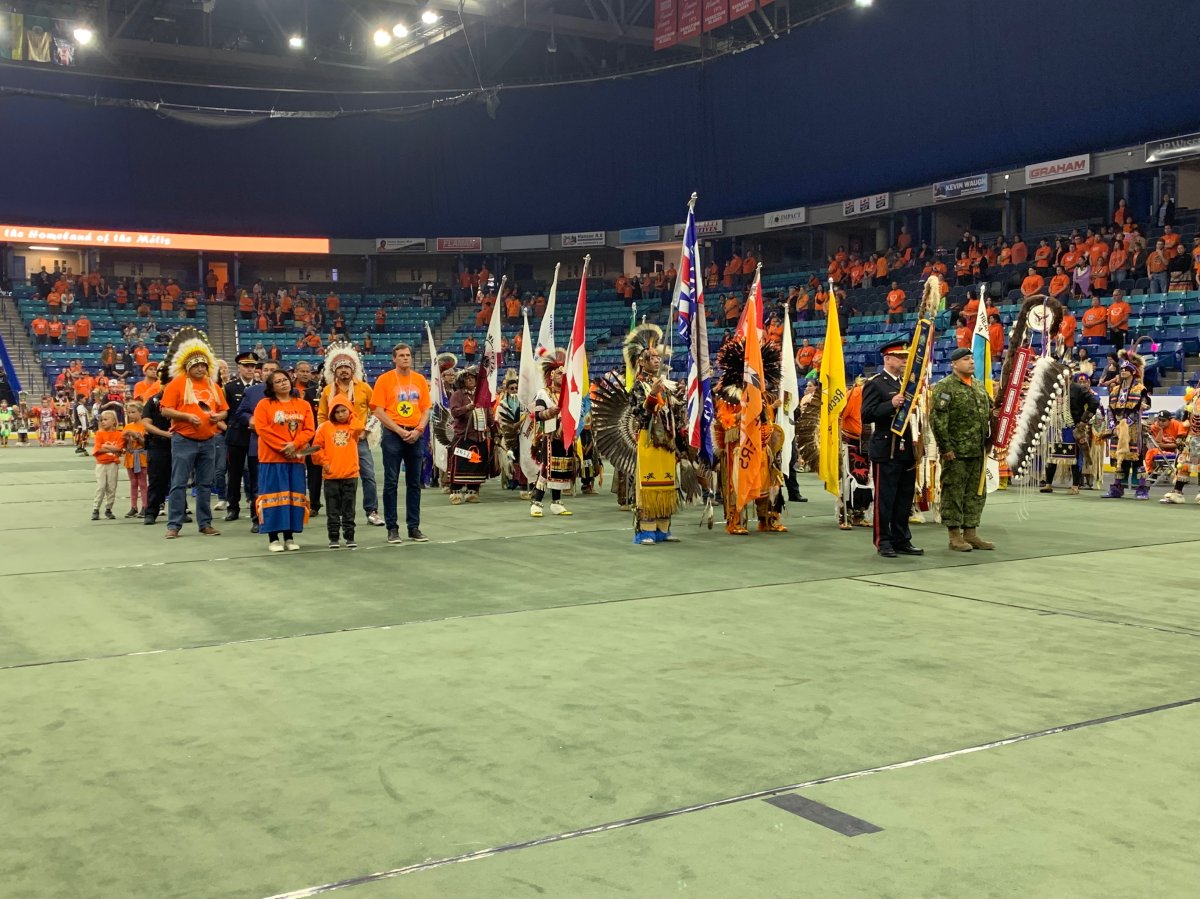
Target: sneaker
[(221, 505), (1172, 498), (415, 535), (394, 535), (254, 529), (95, 514), (559, 509), (109, 515), (535, 510), (232, 515), (350, 544), (333, 544), (291, 546), (132, 513), (374, 519), (644, 538), (275, 546)]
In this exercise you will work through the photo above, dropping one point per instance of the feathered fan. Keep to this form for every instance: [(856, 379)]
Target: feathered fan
[(808, 447), (614, 425)]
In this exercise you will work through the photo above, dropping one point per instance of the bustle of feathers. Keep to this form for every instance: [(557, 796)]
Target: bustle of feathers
[(339, 353), (188, 343), (645, 336), (1020, 333), (1046, 380), (441, 425), (808, 424), (551, 361), (731, 360), (614, 425)]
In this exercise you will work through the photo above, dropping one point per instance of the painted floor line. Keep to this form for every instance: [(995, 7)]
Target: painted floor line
[(306, 892), (1065, 613)]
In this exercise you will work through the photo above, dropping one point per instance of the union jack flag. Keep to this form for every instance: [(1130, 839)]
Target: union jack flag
[(688, 304)]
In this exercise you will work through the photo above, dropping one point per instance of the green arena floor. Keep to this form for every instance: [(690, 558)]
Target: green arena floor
[(538, 708)]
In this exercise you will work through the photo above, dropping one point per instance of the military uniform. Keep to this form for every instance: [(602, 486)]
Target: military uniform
[(237, 447), (962, 423), (895, 465)]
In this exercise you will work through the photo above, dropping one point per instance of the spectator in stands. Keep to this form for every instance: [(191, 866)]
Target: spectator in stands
[(1118, 320), (1156, 268), (1060, 284), (245, 306), (1033, 283), (881, 271), (774, 329), (1095, 320), (1081, 277), (903, 239), (1170, 241), (733, 270), (963, 333), (368, 345), (1165, 213), (40, 327), (1179, 271), (512, 308), (1043, 258), (996, 336), (55, 329), (1018, 251), (804, 358), (846, 310), (1066, 330), (83, 330), (962, 270), (804, 303), (485, 311), (311, 340), (896, 303), (1121, 213), (470, 347), (733, 308), (210, 284)]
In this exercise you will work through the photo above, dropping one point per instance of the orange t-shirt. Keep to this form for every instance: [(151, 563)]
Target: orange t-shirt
[(1118, 315), (970, 309), (996, 339), (337, 449), (40, 326), (1041, 258), (333, 302), (209, 399), (279, 423), (83, 328), (1069, 259), (1095, 321), (143, 390), (881, 267), (1018, 253), (512, 307), (137, 446), (1067, 329), (804, 356), (749, 264), (405, 398), (141, 355), (1059, 284), (852, 412), (56, 329), (895, 300), (1156, 262), (470, 345), (963, 335), (1170, 242), (1116, 259), (1097, 253), (103, 438)]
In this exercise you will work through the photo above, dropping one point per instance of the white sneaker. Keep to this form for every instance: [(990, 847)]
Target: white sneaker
[(221, 505), (275, 546), (374, 519), (1173, 497), (291, 546), (535, 510), (559, 509)]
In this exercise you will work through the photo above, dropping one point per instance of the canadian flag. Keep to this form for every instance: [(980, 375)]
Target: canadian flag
[(575, 372)]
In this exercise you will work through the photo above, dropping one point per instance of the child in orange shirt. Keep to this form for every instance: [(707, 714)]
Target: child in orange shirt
[(336, 443), (136, 460), (107, 449)]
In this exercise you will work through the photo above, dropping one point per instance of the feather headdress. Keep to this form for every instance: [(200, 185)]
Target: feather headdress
[(646, 336), (550, 361), (339, 354), (1053, 316), (188, 347), (731, 359), (447, 361)]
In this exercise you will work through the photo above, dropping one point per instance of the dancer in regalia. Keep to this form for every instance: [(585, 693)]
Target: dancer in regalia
[(556, 466), (1187, 463), (472, 452), (1127, 399)]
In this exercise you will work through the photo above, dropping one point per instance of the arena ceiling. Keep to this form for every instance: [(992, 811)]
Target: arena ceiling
[(470, 44)]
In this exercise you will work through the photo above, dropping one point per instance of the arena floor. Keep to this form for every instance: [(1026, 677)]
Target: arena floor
[(527, 707)]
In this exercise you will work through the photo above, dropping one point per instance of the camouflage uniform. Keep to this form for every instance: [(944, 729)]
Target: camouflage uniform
[(962, 422)]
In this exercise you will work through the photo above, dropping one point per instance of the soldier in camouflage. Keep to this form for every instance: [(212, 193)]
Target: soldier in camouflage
[(962, 420)]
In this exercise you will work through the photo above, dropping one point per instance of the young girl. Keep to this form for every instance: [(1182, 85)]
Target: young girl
[(136, 460), (284, 425), (6, 422), (107, 449), (46, 422)]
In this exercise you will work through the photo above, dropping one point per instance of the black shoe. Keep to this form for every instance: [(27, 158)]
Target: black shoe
[(415, 535), (887, 552), (910, 551), (95, 514), (315, 510), (254, 528), (150, 519), (187, 518), (797, 499), (394, 535), (232, 515), (109, 515), (132, 513)]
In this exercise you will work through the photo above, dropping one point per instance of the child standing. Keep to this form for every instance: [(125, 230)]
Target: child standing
[(336, 442), (46, 422), (6, 422), (107, 450), (136, 462), (21, 420)]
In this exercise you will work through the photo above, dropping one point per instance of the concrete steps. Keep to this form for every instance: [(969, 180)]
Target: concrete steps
[(222, 331), (25, 358)]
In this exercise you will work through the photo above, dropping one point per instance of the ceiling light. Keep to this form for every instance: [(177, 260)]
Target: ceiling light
[(296, 42), (429, 17), (83, 35), (401, 30), (863, 4), (47, 249), (382, 38)]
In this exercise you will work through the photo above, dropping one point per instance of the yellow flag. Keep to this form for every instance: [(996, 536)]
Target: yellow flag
[(833, 400)]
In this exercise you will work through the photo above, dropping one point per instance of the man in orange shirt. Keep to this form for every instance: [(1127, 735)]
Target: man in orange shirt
[(1042, 256), (1060, 284), (333, 302), (1066, 331), (56, 330), (1118, 320), (149, 385), (1170, 241), (512, 307), (1018, 253), (83, 330), (881, 270), (484, 315), (896, 300), (470, 347), (41, 329), (194, 405), (1095, 320), (1117, 262), (804, 357), (1156, 267), (400, 400), (539, 305), (733, 308), (733, 270), (749, 264)]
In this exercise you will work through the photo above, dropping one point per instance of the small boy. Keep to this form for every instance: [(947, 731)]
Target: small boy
[(336, 443), (22, 423), (6, 422), (136, 460), (107, 449)]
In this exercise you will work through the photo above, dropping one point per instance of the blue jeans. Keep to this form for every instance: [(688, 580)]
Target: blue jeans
[(219, 465), (1159, 282), (366, 474), (412, 455), (188, 458)]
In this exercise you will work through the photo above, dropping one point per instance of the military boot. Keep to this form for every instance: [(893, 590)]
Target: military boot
[(972, 539), (957, 543)]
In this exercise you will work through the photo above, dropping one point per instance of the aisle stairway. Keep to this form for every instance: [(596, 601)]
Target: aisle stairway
[(24, 356), (444, 334), (222, 331)]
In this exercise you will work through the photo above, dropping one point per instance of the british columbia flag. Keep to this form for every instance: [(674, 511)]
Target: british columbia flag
[(688, 304)]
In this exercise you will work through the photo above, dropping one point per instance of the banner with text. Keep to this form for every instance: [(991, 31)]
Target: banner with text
[(649, 234), (162, 240), (786, 217), (664, 24), (739, 8), (583, 239), (689, 20), (863, 205), (1173, 148), (708, 228), (716, 14), (960, 187), (459, 244), (1055, 169), (399, 244)]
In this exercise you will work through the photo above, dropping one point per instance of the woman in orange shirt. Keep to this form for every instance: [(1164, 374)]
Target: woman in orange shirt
[(963, 333), (1118, 262), (284, 426), (1060, 284), (996, 336)]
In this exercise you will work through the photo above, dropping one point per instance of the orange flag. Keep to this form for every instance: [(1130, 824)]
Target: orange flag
[(750, 466)]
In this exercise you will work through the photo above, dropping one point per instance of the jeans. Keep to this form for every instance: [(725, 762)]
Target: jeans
[(366, 474), (188, 458), (219, 466), (1159, 282), (412, 455)]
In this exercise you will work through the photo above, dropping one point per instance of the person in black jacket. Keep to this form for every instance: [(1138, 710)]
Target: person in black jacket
[(237, 441), (892, 456), (158, 455)]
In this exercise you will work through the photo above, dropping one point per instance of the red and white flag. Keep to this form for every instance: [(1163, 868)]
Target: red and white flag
[(575, 373)]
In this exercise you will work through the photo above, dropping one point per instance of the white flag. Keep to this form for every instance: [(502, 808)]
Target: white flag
[(789, 391), (438, 396), (529, 380), (545, 344)]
